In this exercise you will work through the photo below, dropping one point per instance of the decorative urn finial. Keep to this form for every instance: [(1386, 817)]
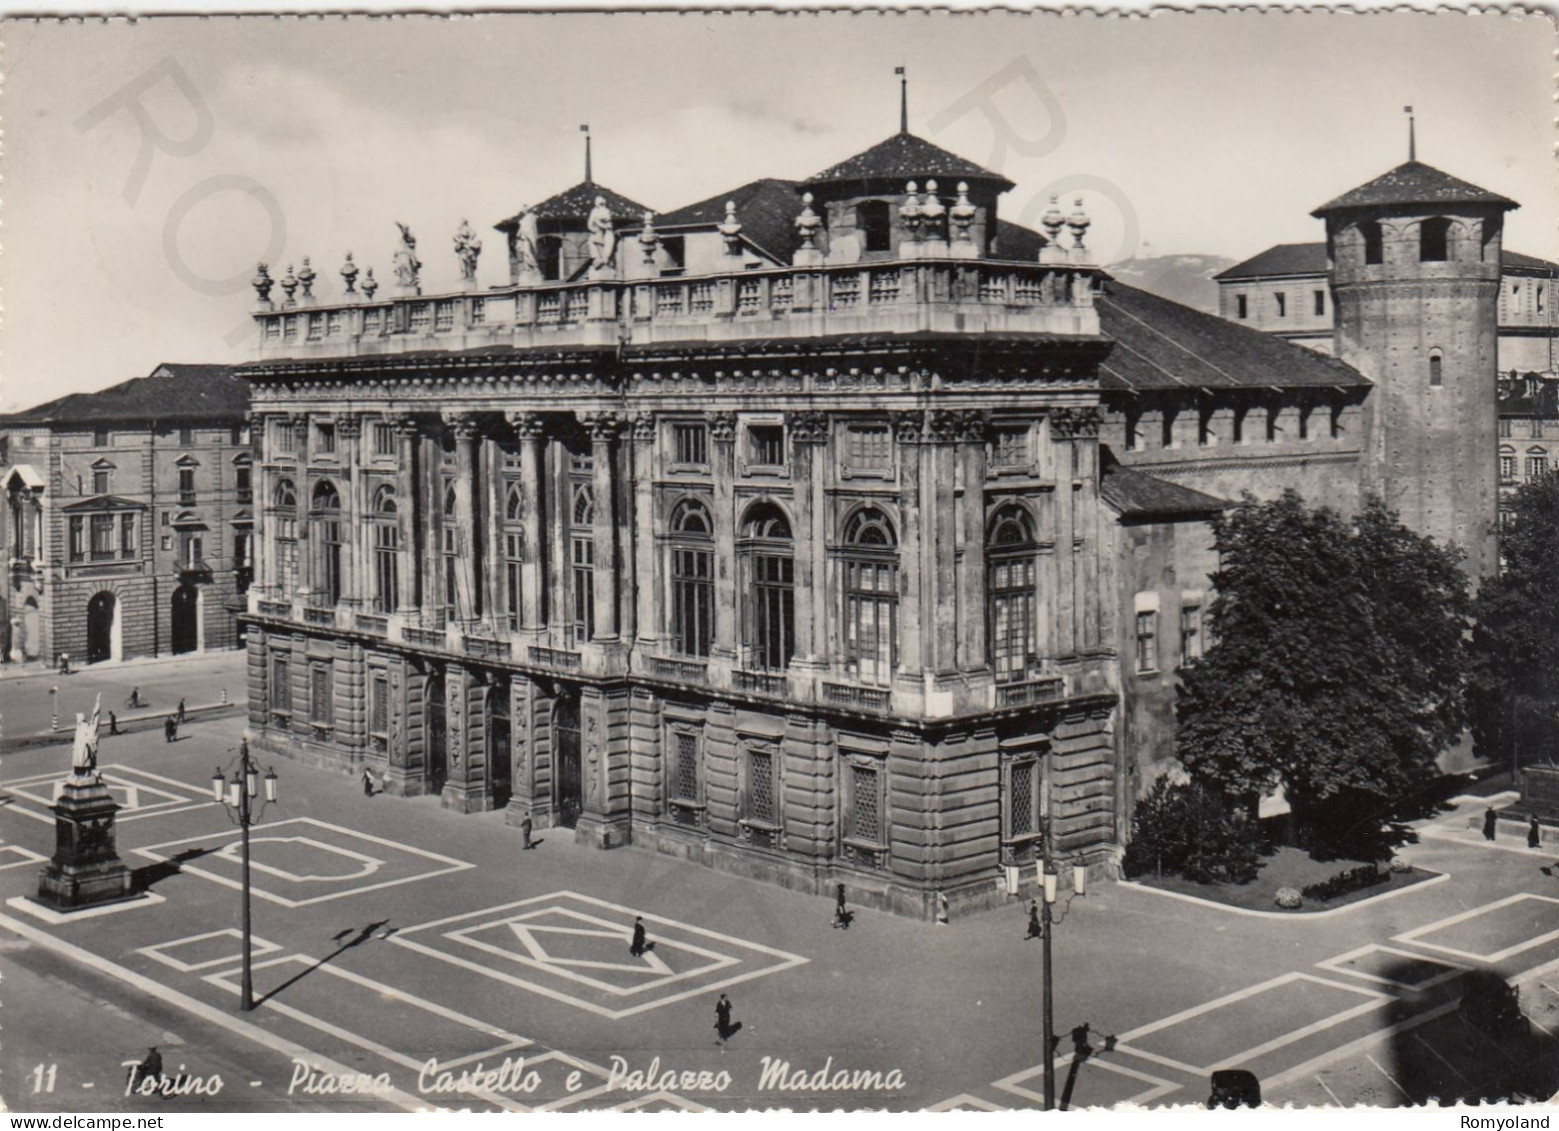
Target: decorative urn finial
[(807, 223), (1053, 221), (349, 274), (289, 284), (1078, 222), (931, 211), (369, 284), (306, 277), (262, 283), (961, 214), (909, 211), (731, 229), (649, 238)]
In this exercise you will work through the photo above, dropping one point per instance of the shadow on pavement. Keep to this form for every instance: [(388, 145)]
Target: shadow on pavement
[(1484, 1050), (345, 940), (160, 870)]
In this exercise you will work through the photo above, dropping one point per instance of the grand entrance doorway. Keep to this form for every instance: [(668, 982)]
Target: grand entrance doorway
[(499, 742), (102, 624), (438, 734), (565, 744), (184, 629)]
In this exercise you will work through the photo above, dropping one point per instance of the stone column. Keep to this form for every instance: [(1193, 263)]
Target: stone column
[(528, 425), (307, 567), (722, 468), (467, 789), (646, 556), (1079, 428), (409, 512), (940, 584), (491, 478), (355, 555), (808, 433), (604, 428), (556, 531), (1067, 605), (971, 572), (467, 436), (907, 430)]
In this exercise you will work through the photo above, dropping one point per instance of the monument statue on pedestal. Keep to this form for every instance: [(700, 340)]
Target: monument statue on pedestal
[(85, 870)]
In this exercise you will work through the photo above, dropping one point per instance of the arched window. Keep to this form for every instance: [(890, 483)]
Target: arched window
[(449, 548), (513, 552), (325, 515), (871, 597), (387, 549), (1434, 237), (284, 516), (582, 576), (768, 565), (871, 216), (1435, 376), (692, 579), (1374, 245), (1010, 594)]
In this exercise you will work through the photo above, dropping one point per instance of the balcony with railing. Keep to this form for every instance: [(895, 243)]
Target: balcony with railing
[(964, 296)]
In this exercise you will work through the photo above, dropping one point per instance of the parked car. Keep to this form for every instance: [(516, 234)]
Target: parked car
[(1234, 1087)]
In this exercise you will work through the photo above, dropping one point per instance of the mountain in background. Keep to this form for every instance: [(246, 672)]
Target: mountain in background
[(1186, 279)]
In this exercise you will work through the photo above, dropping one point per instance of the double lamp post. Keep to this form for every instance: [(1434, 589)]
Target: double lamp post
[(237, 796)]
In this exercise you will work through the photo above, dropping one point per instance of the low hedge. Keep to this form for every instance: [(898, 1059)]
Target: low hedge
[(1346, 882)]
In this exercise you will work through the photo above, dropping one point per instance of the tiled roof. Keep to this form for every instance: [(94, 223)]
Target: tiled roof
[(905, 157), (1161, 344), (1134, 494), (1518, 398), (172, 393), (1413, 182), (1281, 259), (1310, 259), (575, 204), (1013, 241), (766, 209)]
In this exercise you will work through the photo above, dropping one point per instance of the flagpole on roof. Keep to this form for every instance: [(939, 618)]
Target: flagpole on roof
[(903, 100), (1412, 139), (585, 129)]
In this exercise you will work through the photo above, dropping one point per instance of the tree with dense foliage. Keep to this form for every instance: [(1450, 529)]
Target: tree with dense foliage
[(1338, 668), (1189, 828), (1515, 685)]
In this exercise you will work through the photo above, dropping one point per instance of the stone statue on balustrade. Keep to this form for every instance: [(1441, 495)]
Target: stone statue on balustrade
[(603, 236), (527, 238), (467, 249), (407, 265)]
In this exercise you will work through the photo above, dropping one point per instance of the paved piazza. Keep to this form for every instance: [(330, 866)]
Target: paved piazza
[(396, 939)]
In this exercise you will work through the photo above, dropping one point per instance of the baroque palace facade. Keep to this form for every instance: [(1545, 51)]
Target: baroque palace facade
[(776, 532)]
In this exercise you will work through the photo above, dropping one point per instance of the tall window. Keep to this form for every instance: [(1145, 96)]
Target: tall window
[(863, 814), (582, 557), (281, 684), (1147, 640), (1436, 377), (1374, 245), (692, 579), (285, 512), (1010, 594), (383, 438), (1241, 306), (379, 710), (684, 769), (243, 479), (1507, 469), (102, 528), (1433, 240), (326, 517), (1190, 634), (102, 481), (283, 438), (78, 529), (1536, 466), (1282, 301), (128, 546), (871, 597), (690, 442), (186, 485), (1320, 303), (759, 787), (449, 550), (872, 218), (513, 553), (325, 439), (769, 555), (1021, 799), (322, 687), (387, 549)]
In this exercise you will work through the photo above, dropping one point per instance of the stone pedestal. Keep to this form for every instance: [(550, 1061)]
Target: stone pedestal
[(1539, 787), (85, 871)]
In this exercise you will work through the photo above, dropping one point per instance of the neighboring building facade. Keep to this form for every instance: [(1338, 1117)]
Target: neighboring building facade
[(129, 518), (1286, 290), (1528, 432), (858, 544)]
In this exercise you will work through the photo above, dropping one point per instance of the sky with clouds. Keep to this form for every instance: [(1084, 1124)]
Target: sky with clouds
[(1206, 133)]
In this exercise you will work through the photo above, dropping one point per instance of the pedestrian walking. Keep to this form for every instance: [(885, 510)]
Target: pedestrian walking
[(1490, 820), (841, 912), (1036, 929), (135, 698), (181, 712), (170, 730), (150, 1068), (1534, 836), (525, 831), (368, 782), (113, 723), (638, 946), (723, 1018)]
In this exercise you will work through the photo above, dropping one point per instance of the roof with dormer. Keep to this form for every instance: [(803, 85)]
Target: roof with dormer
[(1303, 259), (766, 210), (1413, 182), (907, 157), (172, 392), (575, 204)]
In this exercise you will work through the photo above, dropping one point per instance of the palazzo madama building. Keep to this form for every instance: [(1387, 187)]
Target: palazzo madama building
[(774, 532)]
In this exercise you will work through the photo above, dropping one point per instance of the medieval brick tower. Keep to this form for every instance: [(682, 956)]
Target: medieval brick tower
[(1415, 259)]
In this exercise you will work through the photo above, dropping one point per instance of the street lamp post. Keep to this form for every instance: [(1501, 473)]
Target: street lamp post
[(1048, 921), (54, 708), (237, 796)]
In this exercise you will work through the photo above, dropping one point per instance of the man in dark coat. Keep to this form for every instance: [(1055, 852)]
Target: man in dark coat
[(368, 782), (1490, 819), (841, 912), (170, 729), (723, 1017), (637, 948), (525, 831), (1036, 929), (113, 723), (1534, 837), (181, 712), (150, 1068)]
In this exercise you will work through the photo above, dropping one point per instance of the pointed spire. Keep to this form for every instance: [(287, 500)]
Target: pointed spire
[(903, 100), (1412, 139), (585, 129)]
